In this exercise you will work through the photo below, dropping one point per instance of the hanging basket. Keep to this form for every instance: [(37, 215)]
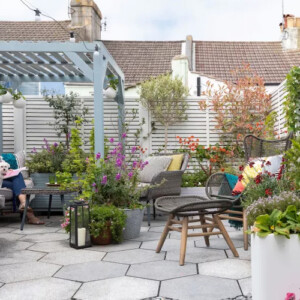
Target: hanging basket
[(110, 93), (20, 103), (6, 98)]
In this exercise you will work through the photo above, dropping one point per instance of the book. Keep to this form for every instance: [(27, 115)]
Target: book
[(13, 173)]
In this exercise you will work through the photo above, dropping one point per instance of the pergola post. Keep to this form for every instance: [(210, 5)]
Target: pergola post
[(100, 66)]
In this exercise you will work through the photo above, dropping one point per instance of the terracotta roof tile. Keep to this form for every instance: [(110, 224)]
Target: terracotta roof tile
[(268, 59)]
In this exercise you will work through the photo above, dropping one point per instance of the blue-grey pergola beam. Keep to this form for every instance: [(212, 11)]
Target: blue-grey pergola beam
[(63, 62)]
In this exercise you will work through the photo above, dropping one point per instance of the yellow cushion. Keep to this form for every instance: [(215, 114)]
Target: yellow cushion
[(176, 162)]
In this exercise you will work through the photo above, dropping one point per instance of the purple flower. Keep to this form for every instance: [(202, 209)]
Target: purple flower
[(133, 149), (111, 140), (119, 162), (33, 150), (87, 160), (118, 176), (98, 155), (55, 145), (134, 164), (130, 174), (94, 184), (104, 179), (124, 135), (46, 144)]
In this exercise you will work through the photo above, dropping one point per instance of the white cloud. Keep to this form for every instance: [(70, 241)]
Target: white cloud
[(173, 19)]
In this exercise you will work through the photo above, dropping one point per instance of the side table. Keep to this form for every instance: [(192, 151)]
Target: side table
[(43, 191)]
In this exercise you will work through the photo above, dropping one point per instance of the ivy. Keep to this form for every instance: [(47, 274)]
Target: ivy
[(292, 102)]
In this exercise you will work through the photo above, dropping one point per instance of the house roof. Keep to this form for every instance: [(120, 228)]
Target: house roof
[(267, 59), (141, 59)]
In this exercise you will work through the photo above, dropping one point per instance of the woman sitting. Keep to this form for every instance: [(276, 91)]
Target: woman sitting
[(16, 184)]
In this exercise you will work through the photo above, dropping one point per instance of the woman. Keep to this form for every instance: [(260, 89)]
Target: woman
[(16, 184)]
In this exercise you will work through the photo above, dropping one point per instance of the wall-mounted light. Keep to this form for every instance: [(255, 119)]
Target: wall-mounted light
[(72, 37), (37, 15)]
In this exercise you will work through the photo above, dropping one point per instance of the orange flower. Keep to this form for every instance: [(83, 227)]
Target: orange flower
[(193, 148), (197, 140)]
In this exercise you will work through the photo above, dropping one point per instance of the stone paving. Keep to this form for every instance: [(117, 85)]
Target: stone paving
[(39, 264)]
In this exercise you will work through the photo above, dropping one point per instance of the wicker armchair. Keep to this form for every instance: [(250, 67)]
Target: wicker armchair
[(171, 185), (217, 186)]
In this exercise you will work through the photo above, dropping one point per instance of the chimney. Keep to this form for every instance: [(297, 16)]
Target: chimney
[(86, 16), (189, 50), (291, 32)]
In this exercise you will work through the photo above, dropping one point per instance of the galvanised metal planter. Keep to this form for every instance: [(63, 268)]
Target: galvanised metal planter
[(133, 223)]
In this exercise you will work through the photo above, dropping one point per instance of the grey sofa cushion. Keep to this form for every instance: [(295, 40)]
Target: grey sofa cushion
[(156, 164), (7, 193)]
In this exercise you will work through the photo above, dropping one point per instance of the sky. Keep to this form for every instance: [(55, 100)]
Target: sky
[(210, 20)]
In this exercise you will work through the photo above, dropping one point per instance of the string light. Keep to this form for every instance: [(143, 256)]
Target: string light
[(72, 37), (37, 15)]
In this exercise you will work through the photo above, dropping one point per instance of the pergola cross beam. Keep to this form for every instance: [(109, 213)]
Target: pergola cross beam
[(62, 62)]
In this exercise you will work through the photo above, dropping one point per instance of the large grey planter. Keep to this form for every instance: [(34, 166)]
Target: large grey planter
[(40, 202), (133, 223)]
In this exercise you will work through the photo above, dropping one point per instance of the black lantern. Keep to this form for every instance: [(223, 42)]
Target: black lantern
[(79, 225)]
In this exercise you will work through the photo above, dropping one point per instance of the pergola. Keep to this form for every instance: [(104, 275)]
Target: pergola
[(63, 62)]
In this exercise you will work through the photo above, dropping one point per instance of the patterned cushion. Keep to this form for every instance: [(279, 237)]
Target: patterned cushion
[(156, 164), (176, 162)]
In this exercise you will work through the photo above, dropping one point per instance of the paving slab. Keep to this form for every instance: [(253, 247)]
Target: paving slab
[(45, 288), (144, 228), (26, 271), (55, 246), (121, 288), (6, 229), (169, 244), (199, 287), (9, 246), (134, 256), (147, 236), (197, 255), (92, 271), (159, 229), (161, 270), (177, 235), (236, 234), (45, 237), (9, 236), (72, 257), (246, 286), (226, 268), (125, 245), (219, 244), (34, 229), (18, 257), (243, 254)]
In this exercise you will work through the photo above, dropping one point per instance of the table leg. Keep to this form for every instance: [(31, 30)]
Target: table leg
[(62, 200), (49, 205), (25, 211)]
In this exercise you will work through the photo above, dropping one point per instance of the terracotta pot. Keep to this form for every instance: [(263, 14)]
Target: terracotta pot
[(104, 239)]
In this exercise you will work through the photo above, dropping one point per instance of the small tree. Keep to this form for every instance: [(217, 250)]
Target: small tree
[(242, 107), (165, 98), (66, 110)]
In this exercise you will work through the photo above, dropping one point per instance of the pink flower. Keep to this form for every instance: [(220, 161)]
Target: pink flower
[(119, 162), (111, 140), (133, 149), (94, 184), (104, 179), (124, 135), (98, 155), (130, 174), (118, 176), (290, 296)]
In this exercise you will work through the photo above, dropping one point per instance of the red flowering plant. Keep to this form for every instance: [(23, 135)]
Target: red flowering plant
[(210, 159), (265, 184)]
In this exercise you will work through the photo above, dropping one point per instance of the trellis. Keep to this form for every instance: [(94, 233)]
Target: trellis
[(63, 62)]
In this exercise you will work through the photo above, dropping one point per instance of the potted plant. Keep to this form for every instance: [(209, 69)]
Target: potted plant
[(275, 245), (18, 100), (5, 95), (112, 88), (107, 223)]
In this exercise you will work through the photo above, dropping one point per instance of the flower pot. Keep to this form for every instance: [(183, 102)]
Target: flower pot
[(275, 266), (133, 223), (110, 93), (6, 98), (20, 103), (104, 239)]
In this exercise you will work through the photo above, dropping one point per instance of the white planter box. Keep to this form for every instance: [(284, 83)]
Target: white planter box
[(275, 262)]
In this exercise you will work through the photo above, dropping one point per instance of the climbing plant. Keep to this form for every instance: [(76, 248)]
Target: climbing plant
[(292, 102)]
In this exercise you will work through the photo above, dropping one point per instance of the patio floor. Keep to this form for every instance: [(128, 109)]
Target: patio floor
[(39, 264)]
